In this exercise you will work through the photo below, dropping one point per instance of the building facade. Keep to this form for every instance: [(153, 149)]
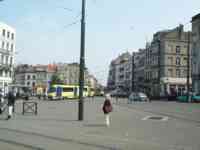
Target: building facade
[(120, 73), (111, 76), (166, 63), (196, 53), (139, 69), (35, 77), (7, 55), (69, 73)]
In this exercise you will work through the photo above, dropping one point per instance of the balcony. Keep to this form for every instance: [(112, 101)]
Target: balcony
[(6, 52), (5, 67)]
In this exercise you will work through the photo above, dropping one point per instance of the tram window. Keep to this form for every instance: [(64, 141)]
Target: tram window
[(68, 90), (52, 89)]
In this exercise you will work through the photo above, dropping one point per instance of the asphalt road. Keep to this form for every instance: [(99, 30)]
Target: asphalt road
[(56, 127)]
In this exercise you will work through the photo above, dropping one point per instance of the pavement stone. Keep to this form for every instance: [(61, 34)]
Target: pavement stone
[(56, 127)]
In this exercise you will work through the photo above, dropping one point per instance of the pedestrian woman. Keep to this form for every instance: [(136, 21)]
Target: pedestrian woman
[(107, 108), (11, 103)]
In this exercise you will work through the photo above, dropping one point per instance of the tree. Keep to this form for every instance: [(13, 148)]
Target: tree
[(56, 79)]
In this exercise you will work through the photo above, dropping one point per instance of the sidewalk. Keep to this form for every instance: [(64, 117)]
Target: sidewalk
[(56, 127)]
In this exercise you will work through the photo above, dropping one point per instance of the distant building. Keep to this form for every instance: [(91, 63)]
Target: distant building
[(139, 70), (7, 54), (120, 73), (92, 82), (111, 83), (36, 77), (25, 75), (166, 63), (196, 53), (69, 73)]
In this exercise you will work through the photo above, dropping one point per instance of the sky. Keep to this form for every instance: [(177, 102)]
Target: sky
[(48, 31)]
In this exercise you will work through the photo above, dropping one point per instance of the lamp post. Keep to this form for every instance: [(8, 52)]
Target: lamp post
[(188, 68), (133, 73), (82, 65)]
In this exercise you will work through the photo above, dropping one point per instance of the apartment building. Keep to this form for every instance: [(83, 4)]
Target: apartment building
[(69, 73), (120, 73), (7, 54), (36, 77), (196, 53), (139, 70), (166, 62)]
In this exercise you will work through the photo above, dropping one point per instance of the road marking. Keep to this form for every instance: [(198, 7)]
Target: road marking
[(164, 118)]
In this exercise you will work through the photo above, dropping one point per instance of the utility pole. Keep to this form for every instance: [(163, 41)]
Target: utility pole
[(188, 68), (82, 65), (133, 73)]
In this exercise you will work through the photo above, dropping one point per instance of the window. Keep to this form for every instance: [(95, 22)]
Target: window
[(11, 60), (178, 61), (6, 73), (8, 34), (7, 46), (170, 60), (170, 73), (2, 59), (121, 69), (6, 60), (28, 83), (184, 73), (11, 48), (170, 48), (178, 49), (4, 32), (28, 77), (3, 45), (1, 73), (121, 77), (68, 89), (33, 77), (33, 84), (178, 73), (12, 36), (85, 89)]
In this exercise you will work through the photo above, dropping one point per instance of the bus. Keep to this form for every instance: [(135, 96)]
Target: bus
[(58, 91)]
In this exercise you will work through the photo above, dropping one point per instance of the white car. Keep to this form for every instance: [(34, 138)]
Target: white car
[(138, 96)]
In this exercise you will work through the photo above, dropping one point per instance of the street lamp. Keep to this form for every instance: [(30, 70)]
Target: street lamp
[(188, 68), (133, 73), (82, 65)]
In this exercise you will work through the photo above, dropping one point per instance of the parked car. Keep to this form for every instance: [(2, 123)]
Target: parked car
[(193, 97), (138, 96), (118, 93)]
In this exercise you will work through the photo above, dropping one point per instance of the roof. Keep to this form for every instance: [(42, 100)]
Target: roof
[(7, 26), (196, 17)]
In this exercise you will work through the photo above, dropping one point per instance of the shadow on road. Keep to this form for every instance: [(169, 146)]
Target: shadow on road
[(68, 140), (94, 125)]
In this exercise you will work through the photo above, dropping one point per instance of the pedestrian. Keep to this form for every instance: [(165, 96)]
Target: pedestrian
[(11, 102), (107, 108), (1, 101)]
